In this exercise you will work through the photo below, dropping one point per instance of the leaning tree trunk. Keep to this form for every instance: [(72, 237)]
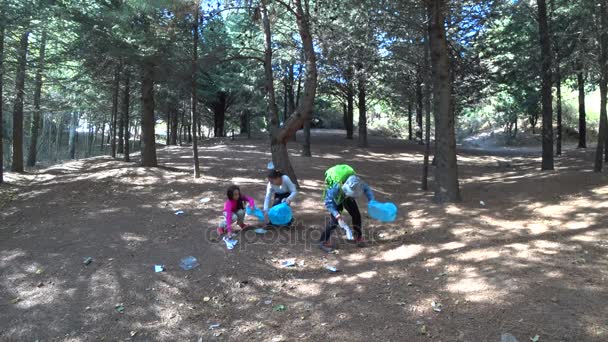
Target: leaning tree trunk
[(362, 111), (446, 172), (603, 60), (547, 101), (72, 138), (125, 115), (279, 137), (193, 97), (116, 87), (2, 30), (148, 151), (35, 127), (17, 165), (582, 120)]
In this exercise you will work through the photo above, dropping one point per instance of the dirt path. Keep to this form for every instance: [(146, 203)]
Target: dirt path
[(531, 261)]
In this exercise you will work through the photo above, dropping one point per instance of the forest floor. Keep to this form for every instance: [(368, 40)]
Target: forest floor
[(525, 253)]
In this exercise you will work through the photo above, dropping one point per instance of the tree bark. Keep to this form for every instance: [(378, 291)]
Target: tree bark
[(603, 60), (306, 146), (427, 139), (558, 148), (446, 172), (103, 129), (2, 30), (547, 101), (116, 88), (409, 119), (35, 125), (582, 120), (17, 165), (125, 115), (148, 151), (350, 110), (72, 140), (419, 106), (193, 97), (362, 111)]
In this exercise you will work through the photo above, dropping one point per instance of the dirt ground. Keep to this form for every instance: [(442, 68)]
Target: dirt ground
[(531, 260)]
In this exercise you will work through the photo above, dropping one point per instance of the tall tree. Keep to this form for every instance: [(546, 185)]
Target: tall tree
[(35, 125), (603, 64), (2, 30), (361, 87), (17, 165), (148, 152), (446, 173), (125, 115), (546, 94), (115, 92), (193, 96), (582, 116), (74, 116)]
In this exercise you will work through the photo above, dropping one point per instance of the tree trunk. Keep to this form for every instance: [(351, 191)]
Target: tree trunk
[(174, 126), (446, 172), (285, 91), (116, 88), (125, 114), (603, 60), (17, 165), (299, 86), (72, 139), (362, 111), (35, 127), (103, 129), (419, 106), (558, 148), (2, 30), (582, 120), (58, 136), (350, 111), (148, 152), (547, 101), (409, 119), (427, 138), (193, 97), (306, 146)]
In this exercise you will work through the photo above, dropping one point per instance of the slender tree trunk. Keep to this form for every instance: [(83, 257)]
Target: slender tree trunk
[(362, 111), (148, 153), (427, 138), (125, 115), (91, 140), (446, 172), (299, 86), (582, 120), (285, 95), (72, 139), (547, 101), (17, 165), (419, 106), (603, 60), (2, 30), (116, 88), (306, 146), (174, 126), (409, 119), (58, 136), (193, 97), (350, 111), (558, 148), (35, 127), (103, 129)]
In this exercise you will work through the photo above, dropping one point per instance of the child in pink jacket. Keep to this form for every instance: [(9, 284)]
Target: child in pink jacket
[(234, 210)]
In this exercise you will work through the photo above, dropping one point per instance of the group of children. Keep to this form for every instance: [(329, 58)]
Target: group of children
[(342, 189)]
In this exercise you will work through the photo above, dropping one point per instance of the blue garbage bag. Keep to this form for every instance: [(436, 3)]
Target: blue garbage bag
[(383, 212), (280, 214), (257, 212)]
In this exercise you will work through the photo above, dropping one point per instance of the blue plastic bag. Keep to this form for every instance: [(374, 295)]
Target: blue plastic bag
[(280, 214), (257, 212), (189, 263), (383, 212)]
